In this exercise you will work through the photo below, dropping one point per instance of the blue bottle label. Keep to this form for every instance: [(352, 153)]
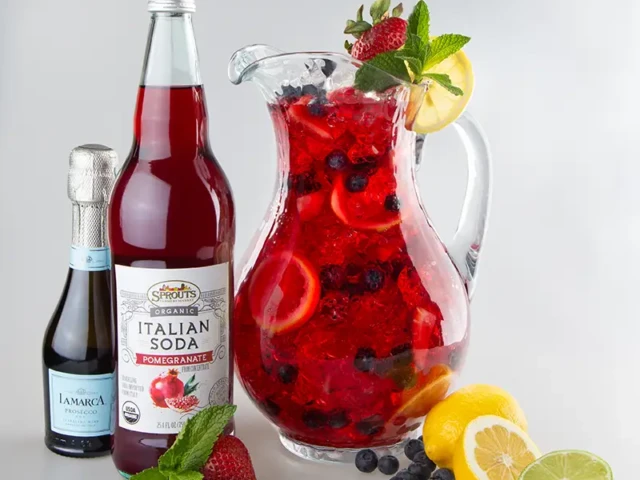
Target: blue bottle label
[(90, 259), (81, 405)]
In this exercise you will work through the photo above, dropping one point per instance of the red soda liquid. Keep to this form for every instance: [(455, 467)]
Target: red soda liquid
[(171, 208), (352, 320)]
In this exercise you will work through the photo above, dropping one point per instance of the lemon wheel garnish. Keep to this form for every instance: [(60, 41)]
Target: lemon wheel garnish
[(493, 448), (440, 107)]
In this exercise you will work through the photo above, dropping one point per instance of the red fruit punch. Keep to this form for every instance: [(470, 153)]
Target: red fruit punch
[(229, 460)]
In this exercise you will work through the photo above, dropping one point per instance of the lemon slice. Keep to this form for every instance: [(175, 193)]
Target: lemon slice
[(430, 389), (493, 448), (440, 107), (568, 465)]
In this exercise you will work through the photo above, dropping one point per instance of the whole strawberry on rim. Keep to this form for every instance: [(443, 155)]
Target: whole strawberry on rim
[(387, 33)]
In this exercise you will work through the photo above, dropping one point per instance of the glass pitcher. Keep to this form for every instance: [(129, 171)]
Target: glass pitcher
[(351, 316)]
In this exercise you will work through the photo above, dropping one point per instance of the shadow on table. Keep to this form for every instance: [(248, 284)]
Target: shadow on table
[(273, 462)]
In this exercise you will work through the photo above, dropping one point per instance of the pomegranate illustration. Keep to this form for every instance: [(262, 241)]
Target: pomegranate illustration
[(166, 386), (183, 404)]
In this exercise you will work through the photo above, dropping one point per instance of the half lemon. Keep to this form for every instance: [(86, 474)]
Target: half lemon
[(493, 448)]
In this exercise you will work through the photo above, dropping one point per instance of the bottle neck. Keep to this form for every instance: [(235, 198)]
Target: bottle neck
[(171, 114), (89, 250), (171, 59)]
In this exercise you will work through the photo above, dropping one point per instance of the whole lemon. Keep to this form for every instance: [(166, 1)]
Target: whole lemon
[(448, 419)]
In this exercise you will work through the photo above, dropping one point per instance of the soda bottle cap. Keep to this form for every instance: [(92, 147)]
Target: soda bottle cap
[(175, 6), (92, 173)]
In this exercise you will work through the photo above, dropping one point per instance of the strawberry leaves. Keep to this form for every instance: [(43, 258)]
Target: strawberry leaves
[(379, 9), (412, 62)]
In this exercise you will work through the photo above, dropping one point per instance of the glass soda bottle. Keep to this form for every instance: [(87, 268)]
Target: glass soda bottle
[(172, 232), (78, 346)]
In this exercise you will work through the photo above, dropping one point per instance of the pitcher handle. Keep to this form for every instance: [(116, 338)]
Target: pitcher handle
[(466, 246)]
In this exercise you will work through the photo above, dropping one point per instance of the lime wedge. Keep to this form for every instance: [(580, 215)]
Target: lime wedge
[(568, 465)]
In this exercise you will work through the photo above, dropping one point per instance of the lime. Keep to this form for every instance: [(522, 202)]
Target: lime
[(568, 465)]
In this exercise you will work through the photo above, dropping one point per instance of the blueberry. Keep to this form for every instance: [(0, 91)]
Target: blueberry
[(373, 279), (356, 182), (337, 160), (287, 373), (366, 461), (365, 360), (310, 90), (412, 448), (392, 203), (272, 408), (332, 277), (419, 470), (314, 419), (371, 425), (422, 459), (290, 92), (328, 68), (388, 465), (401, 354), (404, 475), (304, 183), (316, 109), (443, 474), (338, 419)]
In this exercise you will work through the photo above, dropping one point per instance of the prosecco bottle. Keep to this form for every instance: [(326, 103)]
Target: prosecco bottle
[(78, 349), (172, 232)]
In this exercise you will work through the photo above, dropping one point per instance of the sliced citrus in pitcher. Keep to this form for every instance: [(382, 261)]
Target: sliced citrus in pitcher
[(493, 448), (358, 201), (286, 272), (568, 465), (429, 390)]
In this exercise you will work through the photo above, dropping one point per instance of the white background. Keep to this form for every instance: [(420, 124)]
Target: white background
[(554, 317)]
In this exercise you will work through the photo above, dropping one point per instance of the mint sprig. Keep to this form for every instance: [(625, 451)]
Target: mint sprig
[(192, 448), (412, 62)]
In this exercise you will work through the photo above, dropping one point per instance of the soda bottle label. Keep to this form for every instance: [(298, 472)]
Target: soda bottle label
[(173, 345)]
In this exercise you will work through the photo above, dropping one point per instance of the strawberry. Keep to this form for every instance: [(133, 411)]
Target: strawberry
[(229, 460), (387, 33)]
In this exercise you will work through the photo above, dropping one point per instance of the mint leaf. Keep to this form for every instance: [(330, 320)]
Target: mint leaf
[(419, 21), (357, 27), (417, 52), (397, 11), (445, 81), (378, 9), (370, 78), (195, 441), (149, 474), (186, 476), (443, 47), (414, 64)]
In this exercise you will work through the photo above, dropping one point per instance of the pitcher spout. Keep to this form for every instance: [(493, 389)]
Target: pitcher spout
[(246, 60)]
